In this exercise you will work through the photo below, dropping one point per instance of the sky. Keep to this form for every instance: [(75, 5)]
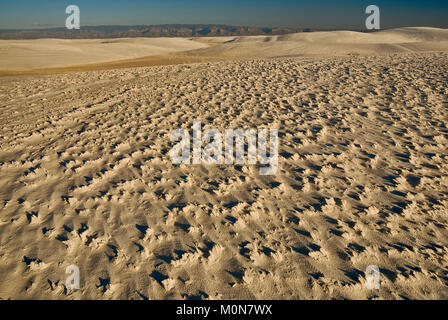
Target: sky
[(316, 14)]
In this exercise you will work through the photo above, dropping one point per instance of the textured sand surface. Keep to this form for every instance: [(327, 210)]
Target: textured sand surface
[(86, 179)]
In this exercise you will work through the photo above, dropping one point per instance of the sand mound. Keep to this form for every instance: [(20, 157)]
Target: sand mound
[(47, 53), (400, 35), (43, 56), (333, 43), (421, 34)]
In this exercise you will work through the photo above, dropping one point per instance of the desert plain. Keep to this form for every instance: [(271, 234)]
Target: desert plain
[(86, 178)]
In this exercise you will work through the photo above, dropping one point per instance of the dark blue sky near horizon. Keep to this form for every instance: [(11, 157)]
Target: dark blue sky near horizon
[(317, 14)]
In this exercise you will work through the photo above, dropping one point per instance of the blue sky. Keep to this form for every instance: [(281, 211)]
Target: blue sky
[(322, 14)]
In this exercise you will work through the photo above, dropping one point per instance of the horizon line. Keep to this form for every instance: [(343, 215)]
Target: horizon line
[(217, 25)]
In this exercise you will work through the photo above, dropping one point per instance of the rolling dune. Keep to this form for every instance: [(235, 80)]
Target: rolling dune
[(331, 43), (48, 53), (47, 56)]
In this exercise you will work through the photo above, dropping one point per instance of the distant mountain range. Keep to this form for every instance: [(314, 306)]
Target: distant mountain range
[(168, 30)]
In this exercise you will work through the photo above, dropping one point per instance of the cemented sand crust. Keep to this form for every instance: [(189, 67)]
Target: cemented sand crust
[(86, 179)]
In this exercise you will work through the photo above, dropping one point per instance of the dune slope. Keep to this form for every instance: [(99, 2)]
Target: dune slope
[(48, 53), (49, 56)]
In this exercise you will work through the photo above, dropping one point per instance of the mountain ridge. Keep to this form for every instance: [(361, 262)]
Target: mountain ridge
[(163, 30)]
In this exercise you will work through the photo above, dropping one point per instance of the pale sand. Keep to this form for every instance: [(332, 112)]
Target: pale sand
[(86, 179), (331, 43), (49, 53), (52, 56)]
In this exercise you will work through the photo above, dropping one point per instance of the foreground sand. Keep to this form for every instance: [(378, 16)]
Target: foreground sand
[(86, 179)]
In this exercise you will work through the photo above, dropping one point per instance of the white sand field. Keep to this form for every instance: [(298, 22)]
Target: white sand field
[(46, 53), (22, 55), (86, 178), (331, 43)]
